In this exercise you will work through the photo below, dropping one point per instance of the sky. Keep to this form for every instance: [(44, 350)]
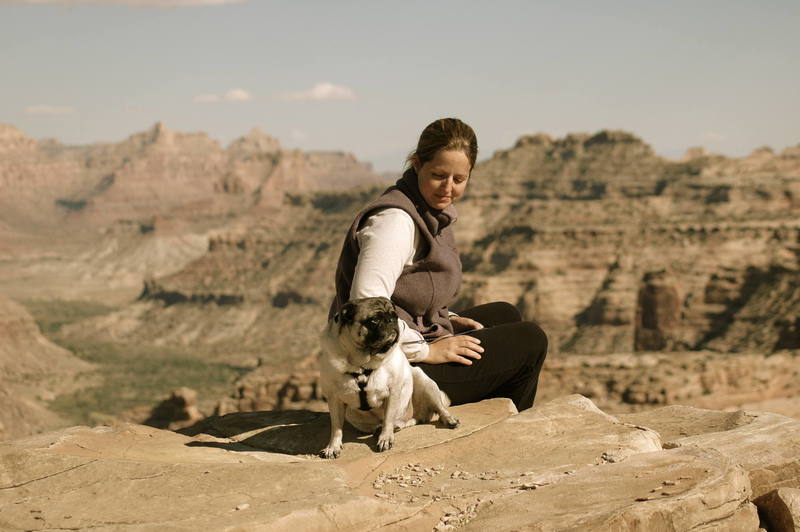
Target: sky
[(367, 76)]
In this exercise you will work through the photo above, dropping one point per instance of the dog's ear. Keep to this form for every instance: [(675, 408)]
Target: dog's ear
[(347, 314)]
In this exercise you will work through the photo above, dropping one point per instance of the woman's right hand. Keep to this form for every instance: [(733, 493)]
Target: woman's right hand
[(458, 349)]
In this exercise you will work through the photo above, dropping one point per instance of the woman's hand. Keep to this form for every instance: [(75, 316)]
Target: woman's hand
[(461, 324), (454, 349)]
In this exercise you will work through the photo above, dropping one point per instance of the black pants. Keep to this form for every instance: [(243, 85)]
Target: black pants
[(514, 351)]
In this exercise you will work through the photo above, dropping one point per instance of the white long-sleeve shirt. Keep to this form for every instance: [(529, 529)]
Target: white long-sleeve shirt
[(388, 241)]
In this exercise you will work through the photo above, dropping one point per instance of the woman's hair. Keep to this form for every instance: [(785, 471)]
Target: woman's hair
[(444, 134)]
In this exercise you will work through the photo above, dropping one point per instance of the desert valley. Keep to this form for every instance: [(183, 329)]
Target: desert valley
[(169, 282)]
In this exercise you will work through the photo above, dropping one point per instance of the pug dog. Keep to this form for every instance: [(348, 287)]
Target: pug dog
[(367, 379)]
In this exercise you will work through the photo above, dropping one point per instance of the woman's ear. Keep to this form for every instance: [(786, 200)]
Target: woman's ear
[(415, 163)]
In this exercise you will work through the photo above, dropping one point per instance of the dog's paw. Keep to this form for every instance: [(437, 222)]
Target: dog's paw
[(451, 422), (330, 452), (385, 442)]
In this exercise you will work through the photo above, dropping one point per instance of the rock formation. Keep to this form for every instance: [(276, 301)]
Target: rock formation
[(107, 215), (610, 247), (269, 388), (177, 411), (562, 465), (159, 172), (33, 371), (618, 383)]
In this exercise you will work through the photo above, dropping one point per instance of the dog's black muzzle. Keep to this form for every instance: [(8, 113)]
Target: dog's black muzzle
[(382, 331)]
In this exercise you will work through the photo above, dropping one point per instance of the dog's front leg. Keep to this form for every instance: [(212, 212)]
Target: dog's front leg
[(334, 448), (386, 437)]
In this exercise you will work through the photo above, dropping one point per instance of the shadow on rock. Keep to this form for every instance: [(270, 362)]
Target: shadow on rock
[(296, 432)]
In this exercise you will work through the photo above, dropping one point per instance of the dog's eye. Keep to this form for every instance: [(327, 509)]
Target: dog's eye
[(336, 318)]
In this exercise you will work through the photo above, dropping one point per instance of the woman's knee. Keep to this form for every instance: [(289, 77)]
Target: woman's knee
[(507, 310), (538, 341), (493, 314)]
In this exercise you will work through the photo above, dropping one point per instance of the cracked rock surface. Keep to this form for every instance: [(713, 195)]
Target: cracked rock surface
[(562, 465)]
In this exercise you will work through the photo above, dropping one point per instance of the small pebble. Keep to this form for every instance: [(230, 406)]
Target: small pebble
[(381, 495), (244, 506)]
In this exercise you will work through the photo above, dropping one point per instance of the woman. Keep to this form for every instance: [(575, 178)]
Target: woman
[(401, 246)]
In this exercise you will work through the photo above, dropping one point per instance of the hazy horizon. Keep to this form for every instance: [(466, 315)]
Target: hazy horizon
[(365, 78)]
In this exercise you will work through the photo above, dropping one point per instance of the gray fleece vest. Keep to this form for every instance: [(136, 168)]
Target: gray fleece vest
[(426, 287)]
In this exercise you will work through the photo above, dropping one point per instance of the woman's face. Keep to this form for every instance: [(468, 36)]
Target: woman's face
[(443, 179)]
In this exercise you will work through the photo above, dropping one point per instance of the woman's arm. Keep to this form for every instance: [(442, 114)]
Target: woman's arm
[(387, 243)]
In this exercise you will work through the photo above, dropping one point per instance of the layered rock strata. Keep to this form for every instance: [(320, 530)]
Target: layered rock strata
[(617, 383), (92, 221), (608, 246), (159, 172), (33, 371)]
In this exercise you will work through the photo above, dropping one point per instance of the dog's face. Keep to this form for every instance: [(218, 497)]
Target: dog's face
[(368, 324)]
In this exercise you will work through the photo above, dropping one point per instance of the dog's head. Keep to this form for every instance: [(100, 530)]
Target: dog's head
[(369, 324)]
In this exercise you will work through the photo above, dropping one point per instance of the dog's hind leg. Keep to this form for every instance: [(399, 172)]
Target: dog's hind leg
[(428, 399), (337, 409)]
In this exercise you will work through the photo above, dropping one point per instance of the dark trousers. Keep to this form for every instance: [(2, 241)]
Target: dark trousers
[(514, 351)]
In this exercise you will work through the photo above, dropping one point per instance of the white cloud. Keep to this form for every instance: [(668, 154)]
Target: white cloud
[(298, 136), (712, 136), (324, 91), (238, 95), (131, 3), (49, 110), (206, 98), (232, 95)]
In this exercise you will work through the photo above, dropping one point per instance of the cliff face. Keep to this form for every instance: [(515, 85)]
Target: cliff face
[(610, 247), (159, 172), (232, 251), (32, 372), (98, 219)]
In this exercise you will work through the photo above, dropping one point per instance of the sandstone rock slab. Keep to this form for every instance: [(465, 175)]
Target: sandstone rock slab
[(562, 465), (302, 432), (678, 490), (539, 446), (766, 445), (105, 479)]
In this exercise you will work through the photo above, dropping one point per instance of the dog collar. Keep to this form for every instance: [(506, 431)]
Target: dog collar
[(362, 377)]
